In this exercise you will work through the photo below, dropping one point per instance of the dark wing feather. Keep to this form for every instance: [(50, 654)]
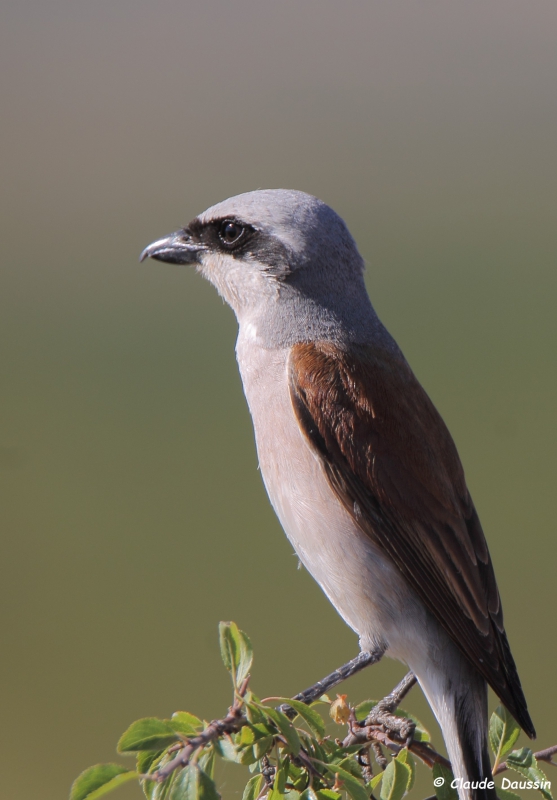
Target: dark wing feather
[(391, 460)]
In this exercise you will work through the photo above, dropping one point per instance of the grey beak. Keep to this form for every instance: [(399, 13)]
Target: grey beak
[(178, 248)]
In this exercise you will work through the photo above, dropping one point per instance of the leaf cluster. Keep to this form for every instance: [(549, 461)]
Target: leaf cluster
[(284, 745)]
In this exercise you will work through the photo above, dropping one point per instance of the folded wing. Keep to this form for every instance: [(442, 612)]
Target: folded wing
[(391, 460)]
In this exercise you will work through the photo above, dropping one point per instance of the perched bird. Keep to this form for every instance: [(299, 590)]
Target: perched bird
[(357, 462)]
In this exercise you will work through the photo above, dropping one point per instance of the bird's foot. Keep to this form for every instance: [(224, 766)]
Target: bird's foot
[(398, 729)]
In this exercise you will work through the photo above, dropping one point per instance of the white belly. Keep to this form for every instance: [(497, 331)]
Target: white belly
[(366, 589)]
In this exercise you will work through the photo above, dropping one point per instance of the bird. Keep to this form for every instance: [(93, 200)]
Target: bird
[(358, 464)]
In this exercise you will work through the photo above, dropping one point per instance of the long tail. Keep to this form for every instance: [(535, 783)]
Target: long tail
[(458, 698)]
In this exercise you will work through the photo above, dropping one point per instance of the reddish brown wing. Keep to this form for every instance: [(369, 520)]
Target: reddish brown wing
[(391, 460)]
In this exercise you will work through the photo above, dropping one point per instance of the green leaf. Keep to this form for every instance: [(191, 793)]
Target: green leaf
[(262, 746), (521, 759), (406, 757), (351, 785), (226, 646), (263, 729), (281, 776), (246, 657), (253, 713), (524, 762), (503, 794), (99, 780), (151, 789), (146, 759), (252, 733), (309, 715), (185, 723), (207, 789), (362, 709), (244, 741), (189, 719), (193, 784), (503, 732), (395, 781), (160, 791), (327, 794), (351, 766), (279, 784), (253, 788), (236, 651), (246, 736), (247, 756), (376, 780), (148, 733), (285, 727), (148, 789), (227, 750), (298, 777), (445, 791), (207, 762)]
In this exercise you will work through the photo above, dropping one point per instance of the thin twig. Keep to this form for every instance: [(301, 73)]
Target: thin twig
[(547, 755), (362, 660), (234, 720), (360, 734)]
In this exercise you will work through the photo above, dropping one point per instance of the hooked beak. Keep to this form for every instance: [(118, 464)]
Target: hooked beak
[(178, 248)]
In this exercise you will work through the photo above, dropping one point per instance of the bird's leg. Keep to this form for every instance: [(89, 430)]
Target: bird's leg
[(364, 659), (382, 713)]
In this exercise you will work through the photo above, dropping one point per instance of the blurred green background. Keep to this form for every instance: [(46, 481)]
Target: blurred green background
[(134, 517)]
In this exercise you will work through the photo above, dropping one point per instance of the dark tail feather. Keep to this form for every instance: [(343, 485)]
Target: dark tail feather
[(514, 698), (475, 751)]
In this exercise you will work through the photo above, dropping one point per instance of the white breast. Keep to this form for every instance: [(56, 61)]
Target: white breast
[(365, 588)]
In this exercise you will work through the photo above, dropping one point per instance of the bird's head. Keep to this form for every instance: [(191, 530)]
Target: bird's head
[(270, 253)]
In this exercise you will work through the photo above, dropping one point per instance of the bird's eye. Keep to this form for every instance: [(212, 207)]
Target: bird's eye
[(230, 232)]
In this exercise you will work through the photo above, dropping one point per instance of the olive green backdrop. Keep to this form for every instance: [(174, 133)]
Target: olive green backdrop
[(133, 514)]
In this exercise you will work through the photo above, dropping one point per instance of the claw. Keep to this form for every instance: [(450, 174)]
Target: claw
[(400, 729)]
